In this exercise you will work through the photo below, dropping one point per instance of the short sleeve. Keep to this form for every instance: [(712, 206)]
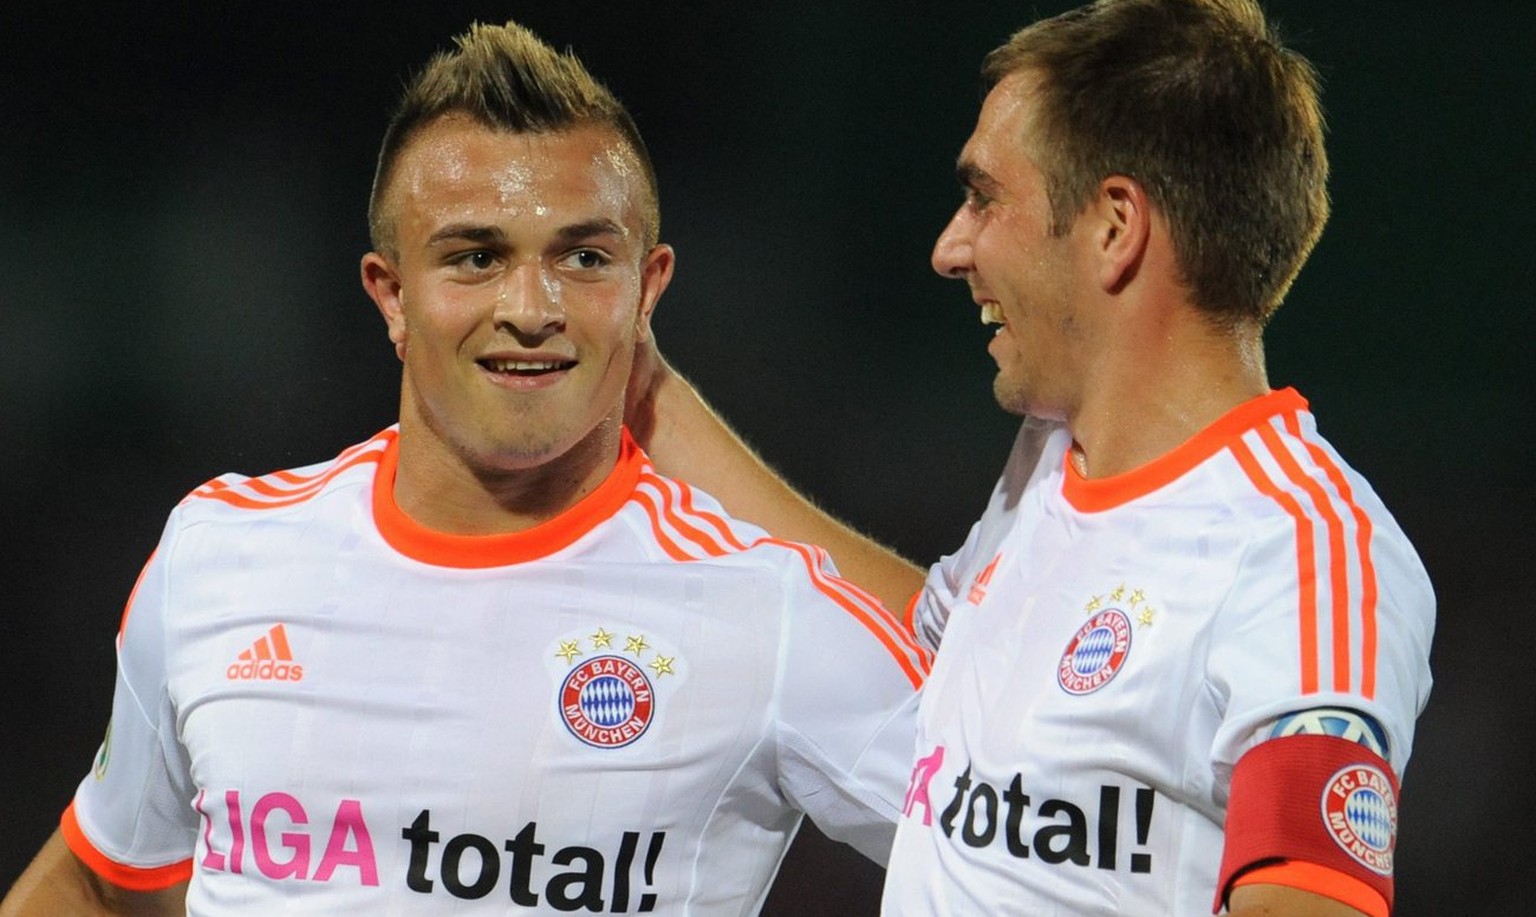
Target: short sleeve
[(132, 819), (847, 710), (1356, 636)]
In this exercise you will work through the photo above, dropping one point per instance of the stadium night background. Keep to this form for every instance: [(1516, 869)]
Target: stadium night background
[(182, 200)]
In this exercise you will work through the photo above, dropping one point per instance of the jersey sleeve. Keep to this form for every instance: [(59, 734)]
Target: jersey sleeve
[(846, 723), (1286, 641), (132, 819), (1325, 622)]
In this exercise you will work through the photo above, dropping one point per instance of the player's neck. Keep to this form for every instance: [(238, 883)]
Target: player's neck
[(1153, 395), (457, 495)]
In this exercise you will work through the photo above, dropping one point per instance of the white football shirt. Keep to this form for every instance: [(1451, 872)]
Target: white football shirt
[(1111, 648), (323, 708)]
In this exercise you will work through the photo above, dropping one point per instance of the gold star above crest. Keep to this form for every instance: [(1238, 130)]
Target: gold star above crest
[(663, 665), (1094, 604), (1145, 618), (602, 639), (1118, 594), (569, 649), (636, 644), (1138, 597)]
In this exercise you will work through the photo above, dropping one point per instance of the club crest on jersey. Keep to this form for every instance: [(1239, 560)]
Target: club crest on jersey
[(1359, 809), (1096, 653), (607, 702), (607, 695)]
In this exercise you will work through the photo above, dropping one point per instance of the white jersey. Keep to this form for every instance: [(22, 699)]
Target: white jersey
[(1113, 646), (323, 708)]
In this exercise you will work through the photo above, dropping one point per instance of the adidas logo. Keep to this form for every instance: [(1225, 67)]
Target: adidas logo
[(982, 581), (268, 659)]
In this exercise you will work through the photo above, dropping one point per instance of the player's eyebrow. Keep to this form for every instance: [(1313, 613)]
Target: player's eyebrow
[(493, 236), (599, 226), (972, 176), (467, 232)]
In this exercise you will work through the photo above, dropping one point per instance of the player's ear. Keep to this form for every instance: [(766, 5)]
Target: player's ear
[(1121, 222), (655, 274), (382, 281)]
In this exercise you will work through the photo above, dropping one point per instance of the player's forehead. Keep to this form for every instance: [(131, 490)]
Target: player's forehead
[(1005, 134), (458, 169)]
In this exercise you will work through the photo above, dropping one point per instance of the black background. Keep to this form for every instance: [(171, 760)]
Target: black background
[(182, 198)]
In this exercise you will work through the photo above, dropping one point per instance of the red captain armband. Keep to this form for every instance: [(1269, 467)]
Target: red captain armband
[(1313, 812)]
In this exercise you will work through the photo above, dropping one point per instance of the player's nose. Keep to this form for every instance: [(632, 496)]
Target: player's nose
[(952, 251)]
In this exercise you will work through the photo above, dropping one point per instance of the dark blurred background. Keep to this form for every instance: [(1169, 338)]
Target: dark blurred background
[(182, 199)]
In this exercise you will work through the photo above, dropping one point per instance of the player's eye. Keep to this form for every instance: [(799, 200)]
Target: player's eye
[(976, 200), (586, 259), (479, 260)]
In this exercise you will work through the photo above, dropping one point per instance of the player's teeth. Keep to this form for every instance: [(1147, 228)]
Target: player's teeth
[(991, 314), (512, 366)]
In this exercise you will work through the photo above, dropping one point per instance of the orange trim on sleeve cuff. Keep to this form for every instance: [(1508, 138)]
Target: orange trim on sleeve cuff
[(1320, 880), (131, 877)]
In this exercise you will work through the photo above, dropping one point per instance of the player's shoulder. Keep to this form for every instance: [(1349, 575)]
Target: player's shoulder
[(689, 525), (1284, 473), (240, 497)]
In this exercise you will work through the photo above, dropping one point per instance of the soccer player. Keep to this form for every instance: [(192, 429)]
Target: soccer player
[(1185, 646), (488, 660)]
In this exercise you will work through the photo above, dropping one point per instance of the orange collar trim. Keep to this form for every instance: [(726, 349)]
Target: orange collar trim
[(441, 549), (1092, 495)]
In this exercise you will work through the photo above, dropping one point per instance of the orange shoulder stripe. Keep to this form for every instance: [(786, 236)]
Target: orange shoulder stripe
[(680, 525), (913, 659), (715, 522), (1368, 587), (120, 874), (1306, 565), (303, 486), (1338, 569), (288, 476), (122, 624), (668, 546), (690, 522)]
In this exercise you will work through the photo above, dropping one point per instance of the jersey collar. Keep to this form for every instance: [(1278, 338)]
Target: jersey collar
[(440, 549), (1092, 495)]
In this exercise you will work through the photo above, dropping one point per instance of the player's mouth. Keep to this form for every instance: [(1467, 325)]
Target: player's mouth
[(525, 368), (992, 314)]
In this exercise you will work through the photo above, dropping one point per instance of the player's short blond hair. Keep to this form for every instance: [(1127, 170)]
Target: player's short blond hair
[(506, 78)]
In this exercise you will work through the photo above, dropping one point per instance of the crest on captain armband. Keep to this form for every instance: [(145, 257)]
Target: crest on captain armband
[(1359, 809)]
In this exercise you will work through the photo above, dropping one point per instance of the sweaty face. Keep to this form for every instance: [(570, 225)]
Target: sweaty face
[(999, 242), (518, 288)]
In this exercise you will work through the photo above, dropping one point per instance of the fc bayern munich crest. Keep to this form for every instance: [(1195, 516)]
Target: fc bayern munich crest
[(1360, 812), (607, 701), (1096, 653)]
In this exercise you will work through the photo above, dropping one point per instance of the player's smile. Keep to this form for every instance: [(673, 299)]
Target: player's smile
[(526, 372)]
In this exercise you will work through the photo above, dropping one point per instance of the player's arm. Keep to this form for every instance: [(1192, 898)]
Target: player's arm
[(1281, 901), (1311, 822), (58, 882), (688, 440)]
